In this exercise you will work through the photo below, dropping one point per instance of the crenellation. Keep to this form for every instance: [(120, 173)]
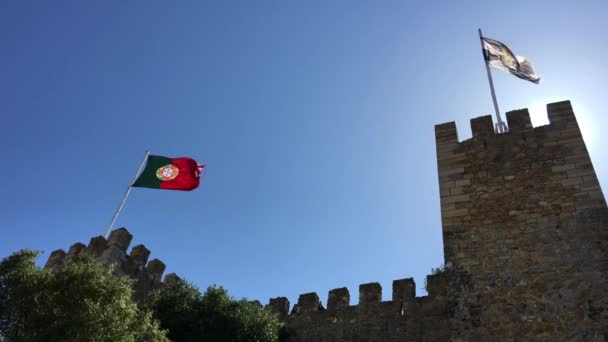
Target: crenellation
[(412, 319), (482, 128), (561, 114), (97, 245), (370, 293), (446, 134), (562, 124), (436, 285), (56, 259), (139, 254), (156, 268), (120, 238), (256, 303), (519, 120), (171, 280), (280, 306), (75, 250), (114, 256), (404, 290), (308, 302), (112, 252), (338, 299)]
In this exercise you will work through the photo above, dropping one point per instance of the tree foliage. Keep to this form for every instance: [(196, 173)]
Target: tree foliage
[(189, 315), (82, 301)]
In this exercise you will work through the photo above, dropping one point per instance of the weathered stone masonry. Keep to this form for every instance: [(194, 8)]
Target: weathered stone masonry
[(404, 318), (525, 232), (113, 252)]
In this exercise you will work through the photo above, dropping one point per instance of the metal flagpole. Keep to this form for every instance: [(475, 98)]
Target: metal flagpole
[(501, 127), (124, 198)]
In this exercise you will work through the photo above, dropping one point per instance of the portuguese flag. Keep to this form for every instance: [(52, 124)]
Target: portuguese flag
[(170, 173)]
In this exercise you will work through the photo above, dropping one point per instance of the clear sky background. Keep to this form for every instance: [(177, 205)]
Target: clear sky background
[(316, 119)]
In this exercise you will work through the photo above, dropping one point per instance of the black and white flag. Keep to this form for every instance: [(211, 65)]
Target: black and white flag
[(499, 56)]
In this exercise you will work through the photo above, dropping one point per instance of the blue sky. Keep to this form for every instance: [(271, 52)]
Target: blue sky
[(316, 119)]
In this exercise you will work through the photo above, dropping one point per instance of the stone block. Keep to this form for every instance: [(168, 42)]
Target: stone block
[(436, 285), (308, 302), (561, 113), (482, 127), (370, 293), (97, 245), (75, 250), (120, 238), (519, 120), (446, 133), (116, 257), (156, 268), (338, 299), (56, 259), (171, 280), (404, 290), (139, 255), (280, 306)]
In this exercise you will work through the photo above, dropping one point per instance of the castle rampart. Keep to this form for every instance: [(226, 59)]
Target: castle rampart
[(404, 318), (525, 232), (146, 275), (525, 246)]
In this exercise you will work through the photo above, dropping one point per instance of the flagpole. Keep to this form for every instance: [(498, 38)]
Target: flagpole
[(124, 198), (501, 127)]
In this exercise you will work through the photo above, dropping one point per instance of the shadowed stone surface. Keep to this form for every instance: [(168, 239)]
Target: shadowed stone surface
[(524, 231), (280, 306), (113, 253), (55, 259)]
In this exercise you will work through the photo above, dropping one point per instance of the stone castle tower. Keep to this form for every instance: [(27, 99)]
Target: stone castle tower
[(525, 232)]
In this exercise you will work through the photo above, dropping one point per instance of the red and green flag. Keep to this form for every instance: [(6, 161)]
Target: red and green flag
[(170, 174)]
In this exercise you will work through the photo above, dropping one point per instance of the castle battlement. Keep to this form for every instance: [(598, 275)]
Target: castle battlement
[(404, 291), (521, 214), (147, 275), (405, 316), (560, 115), (525, 238), (486, 166)]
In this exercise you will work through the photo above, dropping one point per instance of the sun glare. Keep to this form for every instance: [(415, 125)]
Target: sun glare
[(538, 116), (585, 119), (538, 113)]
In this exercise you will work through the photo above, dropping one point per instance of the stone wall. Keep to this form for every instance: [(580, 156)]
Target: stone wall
[(404, 318), (146, 275), (525, 231)]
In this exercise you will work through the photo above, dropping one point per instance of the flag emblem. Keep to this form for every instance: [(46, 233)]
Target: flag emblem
[(508, 59), (499, 56), (167, 172), (170, 173)]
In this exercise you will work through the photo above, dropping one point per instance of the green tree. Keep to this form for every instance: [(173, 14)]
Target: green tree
[(214, 316), (83, 301)]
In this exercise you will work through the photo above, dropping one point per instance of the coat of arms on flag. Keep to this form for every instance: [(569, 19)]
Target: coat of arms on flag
[(163, 173), (499, 56), (170, 173)]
